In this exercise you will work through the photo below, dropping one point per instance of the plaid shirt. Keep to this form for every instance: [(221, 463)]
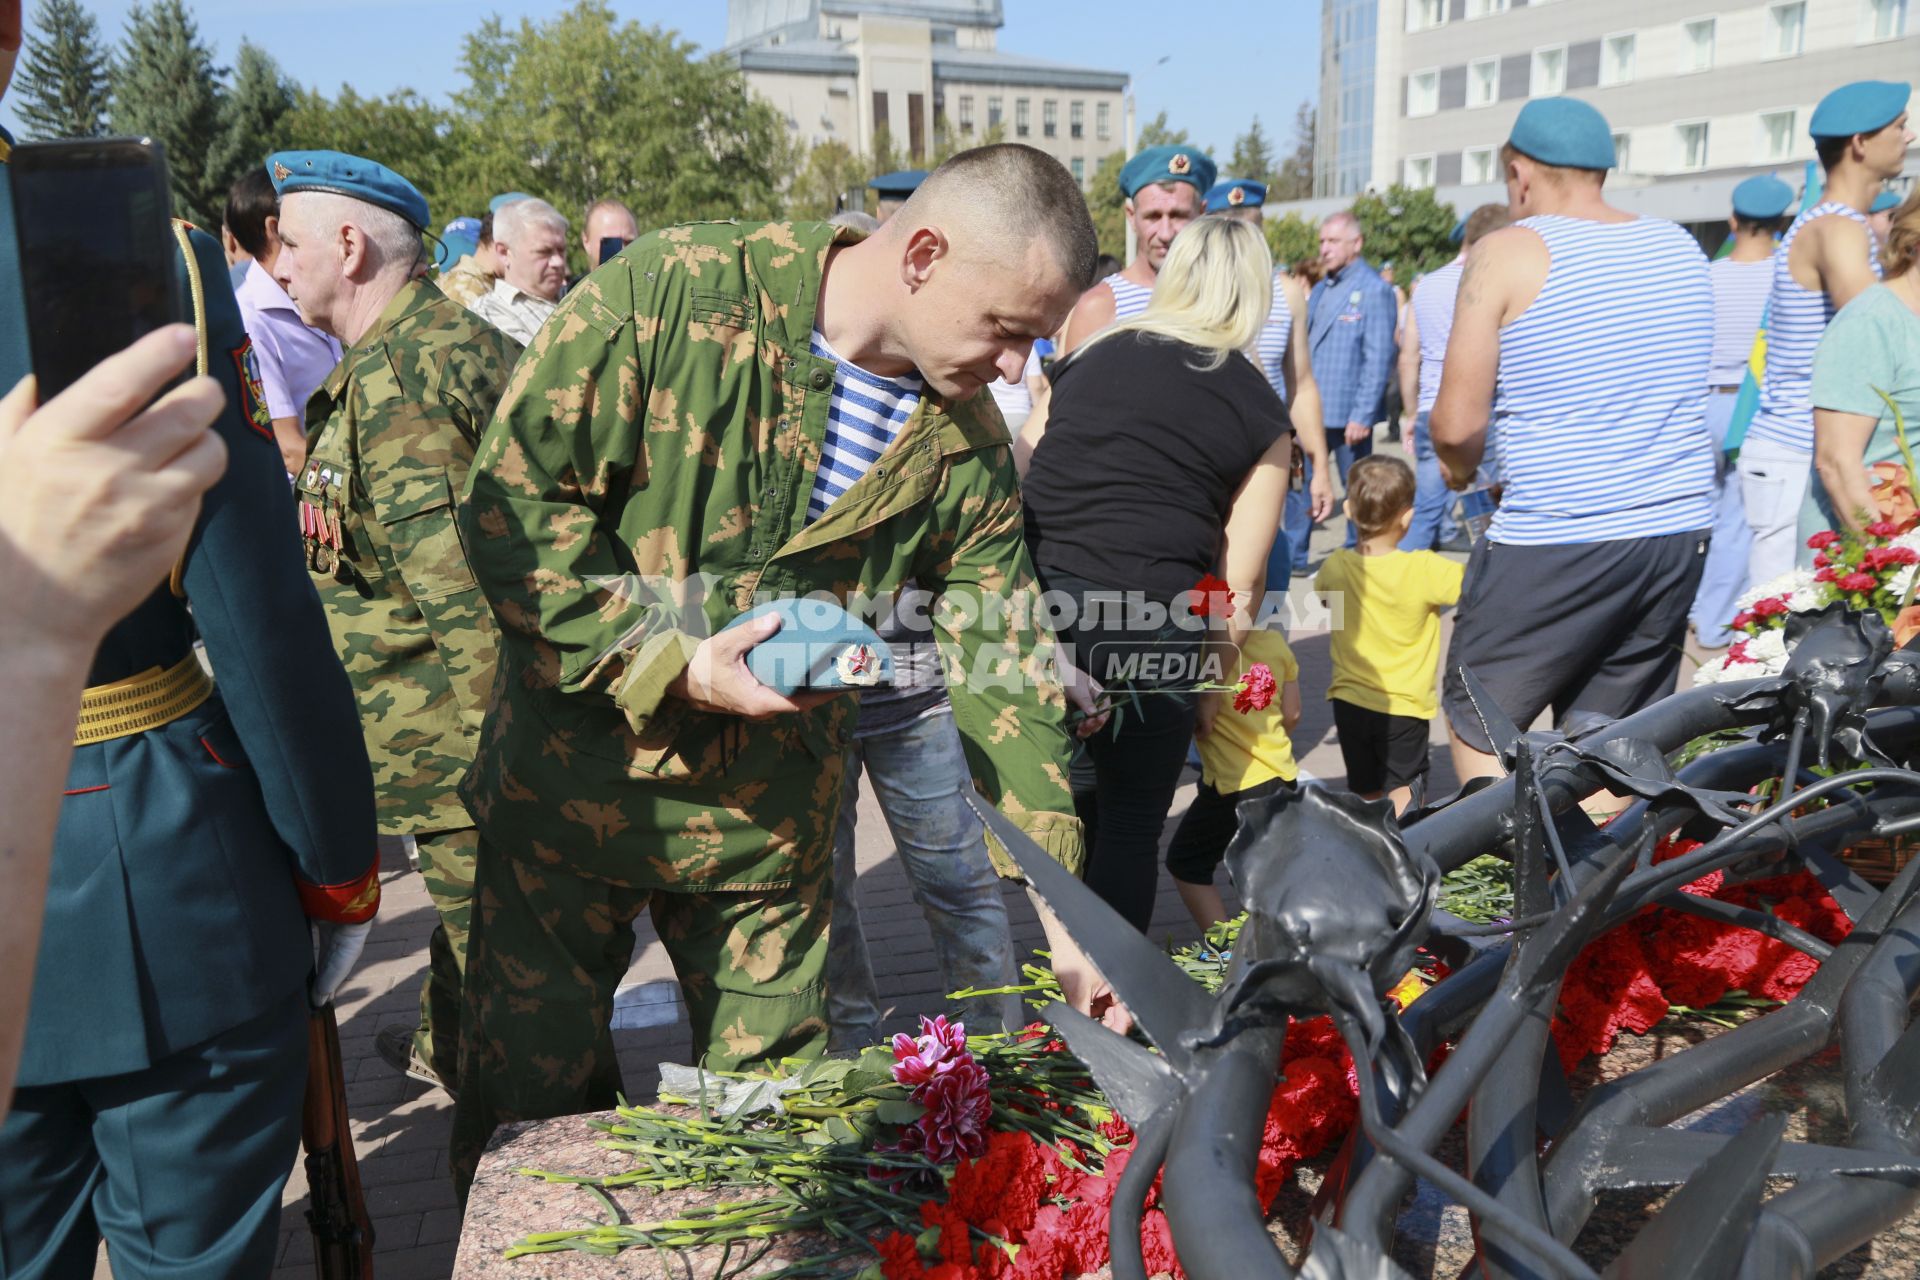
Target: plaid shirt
[(1351, 317)]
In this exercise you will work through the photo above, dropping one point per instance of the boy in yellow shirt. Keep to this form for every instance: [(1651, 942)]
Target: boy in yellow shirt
[(1245, 755), (1386, 652)]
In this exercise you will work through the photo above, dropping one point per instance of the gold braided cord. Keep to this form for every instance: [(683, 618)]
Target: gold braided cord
[(141, 702)]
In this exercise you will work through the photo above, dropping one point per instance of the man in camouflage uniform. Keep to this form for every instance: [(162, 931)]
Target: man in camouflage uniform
[(390, 436), (666, 426)]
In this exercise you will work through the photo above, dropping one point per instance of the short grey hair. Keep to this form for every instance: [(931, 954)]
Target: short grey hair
[(514, 220), (855, 220), (395, 241)]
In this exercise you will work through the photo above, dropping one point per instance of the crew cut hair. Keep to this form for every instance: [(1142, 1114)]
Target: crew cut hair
[(511, 221), (1015, 191)]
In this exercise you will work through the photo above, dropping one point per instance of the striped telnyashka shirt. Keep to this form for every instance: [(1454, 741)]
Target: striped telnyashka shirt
[(1602, 405), (1432, 304), (1796, 318), (1129, 299), (1271, 349), (864, 414)]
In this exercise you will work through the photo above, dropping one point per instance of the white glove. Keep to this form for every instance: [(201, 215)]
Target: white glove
[(336, 949)]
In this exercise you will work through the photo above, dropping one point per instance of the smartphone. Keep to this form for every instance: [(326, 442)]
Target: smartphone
[(610, 247), (1474, 510), (93, 220)]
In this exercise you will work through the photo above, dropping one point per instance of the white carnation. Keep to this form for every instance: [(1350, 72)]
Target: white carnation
[(1802, 593)]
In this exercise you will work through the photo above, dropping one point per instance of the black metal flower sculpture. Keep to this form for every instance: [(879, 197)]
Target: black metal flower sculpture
[(1830, 681)]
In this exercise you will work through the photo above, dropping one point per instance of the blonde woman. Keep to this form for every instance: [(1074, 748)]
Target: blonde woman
[(1163, 459)]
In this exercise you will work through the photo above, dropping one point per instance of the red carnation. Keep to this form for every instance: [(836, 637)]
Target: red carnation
[(1215, 599), (1737, 652), (1823, 539), (1255, 691), (1827, 574), (1858, 582), (1882, 529), (1772, 606), (1741, 621)]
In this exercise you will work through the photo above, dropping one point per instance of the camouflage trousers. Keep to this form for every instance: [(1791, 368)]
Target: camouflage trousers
[(446, 867), (550, 946)]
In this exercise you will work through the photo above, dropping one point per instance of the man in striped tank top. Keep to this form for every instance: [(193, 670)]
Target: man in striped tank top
[(1583, 334), (1827, 257), (1423, 344), (1165, 188), (1281, 353)]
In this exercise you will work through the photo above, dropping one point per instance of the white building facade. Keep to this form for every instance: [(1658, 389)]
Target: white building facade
[(1700, 93), (846, 69)]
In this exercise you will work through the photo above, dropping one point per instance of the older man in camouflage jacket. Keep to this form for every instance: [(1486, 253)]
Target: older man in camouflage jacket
[(670, 425), (390, 437)]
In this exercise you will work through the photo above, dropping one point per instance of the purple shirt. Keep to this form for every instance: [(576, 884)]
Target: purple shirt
[(293, 359)]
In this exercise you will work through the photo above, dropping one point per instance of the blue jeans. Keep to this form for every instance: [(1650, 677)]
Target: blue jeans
[(1432, 501), (921, 778), (1299, 522), (1724, 578)]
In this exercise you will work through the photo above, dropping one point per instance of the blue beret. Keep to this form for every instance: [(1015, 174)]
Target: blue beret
[(1168, 164), (819, 646), (1884, 201), (1459, 233), (1861, 107), (457, 239), (897, 185), (504, 199), (1236, 193), (1564, 132), (1764, 196), (346, 175)]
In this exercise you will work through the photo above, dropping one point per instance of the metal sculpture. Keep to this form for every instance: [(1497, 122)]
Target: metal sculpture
[(1339, 896)]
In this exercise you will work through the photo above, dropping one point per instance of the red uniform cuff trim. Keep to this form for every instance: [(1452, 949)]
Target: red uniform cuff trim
[(351, 902)]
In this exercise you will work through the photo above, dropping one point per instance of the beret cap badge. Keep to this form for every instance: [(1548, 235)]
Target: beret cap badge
[(1179, 163)]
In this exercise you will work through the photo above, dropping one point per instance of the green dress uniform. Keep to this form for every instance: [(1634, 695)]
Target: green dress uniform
[(647, 473), (206, 822), (390, 437)]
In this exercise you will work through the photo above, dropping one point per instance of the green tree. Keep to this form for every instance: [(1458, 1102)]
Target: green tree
[(1104, 200), (421, 142), (166, 87), (827, 181), (1294, 181), (1252, 156), (251, 113), (1407, 227), (1293, 239), (582, 106), (64, 88), (884, 158)]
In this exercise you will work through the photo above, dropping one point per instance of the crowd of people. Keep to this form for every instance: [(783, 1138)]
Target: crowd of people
[(480, 626)]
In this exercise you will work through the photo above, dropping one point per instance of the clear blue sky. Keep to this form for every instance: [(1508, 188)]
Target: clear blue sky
[(1227, 60)]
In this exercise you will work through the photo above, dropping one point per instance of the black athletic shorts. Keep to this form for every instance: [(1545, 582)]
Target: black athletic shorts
[(1208, 827), (1590, 629), (1382, 751)]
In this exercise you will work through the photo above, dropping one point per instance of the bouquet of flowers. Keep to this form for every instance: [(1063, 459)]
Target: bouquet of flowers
[(1876, 571)]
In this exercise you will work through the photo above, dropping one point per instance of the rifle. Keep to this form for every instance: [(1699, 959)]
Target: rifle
[(337, 1212)]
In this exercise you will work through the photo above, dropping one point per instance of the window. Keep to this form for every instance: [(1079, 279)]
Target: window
[(1549, 72), (1419, 171), (1050, 119), (1103, 120), (1476, 166), (966, 113), (1482, 8), (1883, 20), (1078, 115), (1786, 30), (1696, 45), (1483, 82), (993, 113), (1616, 59), (1022, 118), (1693, 144), (1776, 135), (1422, 14), (1423, 93), (882, 118), (1623, 152), (1080, 170)]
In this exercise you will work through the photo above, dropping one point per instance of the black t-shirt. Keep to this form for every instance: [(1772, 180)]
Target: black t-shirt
[(1131, 485)]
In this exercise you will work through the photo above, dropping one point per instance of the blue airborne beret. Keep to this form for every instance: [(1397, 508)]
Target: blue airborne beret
[(1861, 107), (1459, 233), (1564, 132), (504, 199), (1884, 201), (346, 175), (1236, 193), (819, 646), (1168, 164), (457, 239), (897, 185), (1763, 196)]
